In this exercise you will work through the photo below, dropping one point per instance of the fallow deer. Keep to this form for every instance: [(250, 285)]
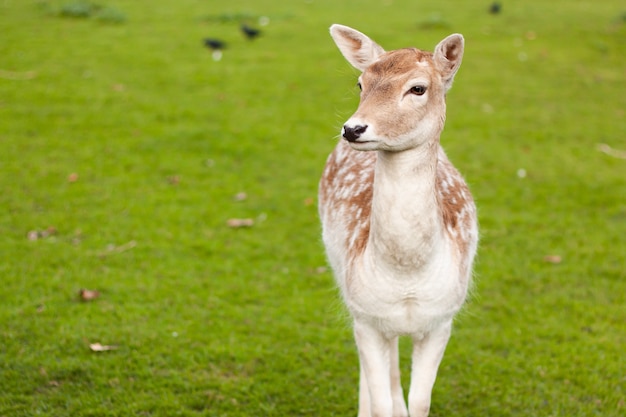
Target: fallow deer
[(399, 222)]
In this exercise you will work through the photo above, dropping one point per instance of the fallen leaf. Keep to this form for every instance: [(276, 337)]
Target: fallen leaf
[(41, 234), (240, 196), (97, 347), (73, 177), (88, 295), (615, 153), (308, 201), (553, 259), (236, 223)]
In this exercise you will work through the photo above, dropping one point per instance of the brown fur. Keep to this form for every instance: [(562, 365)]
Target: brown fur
[(348, 182), (400, 61), (349, 170)]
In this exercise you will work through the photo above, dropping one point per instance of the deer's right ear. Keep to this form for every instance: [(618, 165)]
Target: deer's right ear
[(357, 48)]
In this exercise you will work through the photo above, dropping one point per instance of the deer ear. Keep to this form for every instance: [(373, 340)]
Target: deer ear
[(357, 48), (448, 55)]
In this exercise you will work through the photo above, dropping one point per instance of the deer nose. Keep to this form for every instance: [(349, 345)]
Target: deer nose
[(351, 134)]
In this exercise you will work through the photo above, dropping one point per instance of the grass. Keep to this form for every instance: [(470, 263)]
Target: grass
[(123, 146)]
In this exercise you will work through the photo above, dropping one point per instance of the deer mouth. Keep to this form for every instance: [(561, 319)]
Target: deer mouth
[(358, 141), (363, 145)]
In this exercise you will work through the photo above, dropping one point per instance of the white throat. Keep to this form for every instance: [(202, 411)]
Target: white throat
[(405, 222)]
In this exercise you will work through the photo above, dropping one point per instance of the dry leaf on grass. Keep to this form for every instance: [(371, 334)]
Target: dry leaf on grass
[(553, 259), (240, 196), (41, 234), (73, 177), (236, 223), (97, 347), (88, 295), (615, 153)]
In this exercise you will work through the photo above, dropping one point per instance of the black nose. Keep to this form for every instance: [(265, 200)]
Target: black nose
[(353, 133)]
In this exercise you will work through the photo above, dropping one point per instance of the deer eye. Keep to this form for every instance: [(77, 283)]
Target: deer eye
[(418, 90), (358, 84)]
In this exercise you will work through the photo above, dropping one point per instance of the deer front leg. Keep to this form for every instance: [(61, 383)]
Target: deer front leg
[(364, 393), (375, 398), (399, 406), (427, 354)]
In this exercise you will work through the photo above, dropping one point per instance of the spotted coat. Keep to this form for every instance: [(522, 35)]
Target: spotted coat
[(345, 201)]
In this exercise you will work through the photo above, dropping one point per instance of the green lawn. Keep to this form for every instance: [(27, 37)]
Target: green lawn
[(124, 150)]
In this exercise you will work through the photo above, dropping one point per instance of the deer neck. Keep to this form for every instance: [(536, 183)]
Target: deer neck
[(405, 223)]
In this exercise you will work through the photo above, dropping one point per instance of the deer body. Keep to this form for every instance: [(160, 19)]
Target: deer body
[(399, 223)]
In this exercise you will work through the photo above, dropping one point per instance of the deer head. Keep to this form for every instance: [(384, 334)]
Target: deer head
[(402, 92)]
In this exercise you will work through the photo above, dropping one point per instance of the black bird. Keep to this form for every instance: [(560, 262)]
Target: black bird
[(214, 44), (250, 33), (495, 8)]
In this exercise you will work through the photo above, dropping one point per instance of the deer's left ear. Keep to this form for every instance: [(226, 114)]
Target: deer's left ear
[(448, 56)]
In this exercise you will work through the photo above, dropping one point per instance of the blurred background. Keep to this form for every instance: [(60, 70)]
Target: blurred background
[(160, 249)]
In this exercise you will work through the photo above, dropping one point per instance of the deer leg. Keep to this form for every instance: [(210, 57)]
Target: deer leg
[(427, 354), (399, 406), (374, 356), (364, 394)]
